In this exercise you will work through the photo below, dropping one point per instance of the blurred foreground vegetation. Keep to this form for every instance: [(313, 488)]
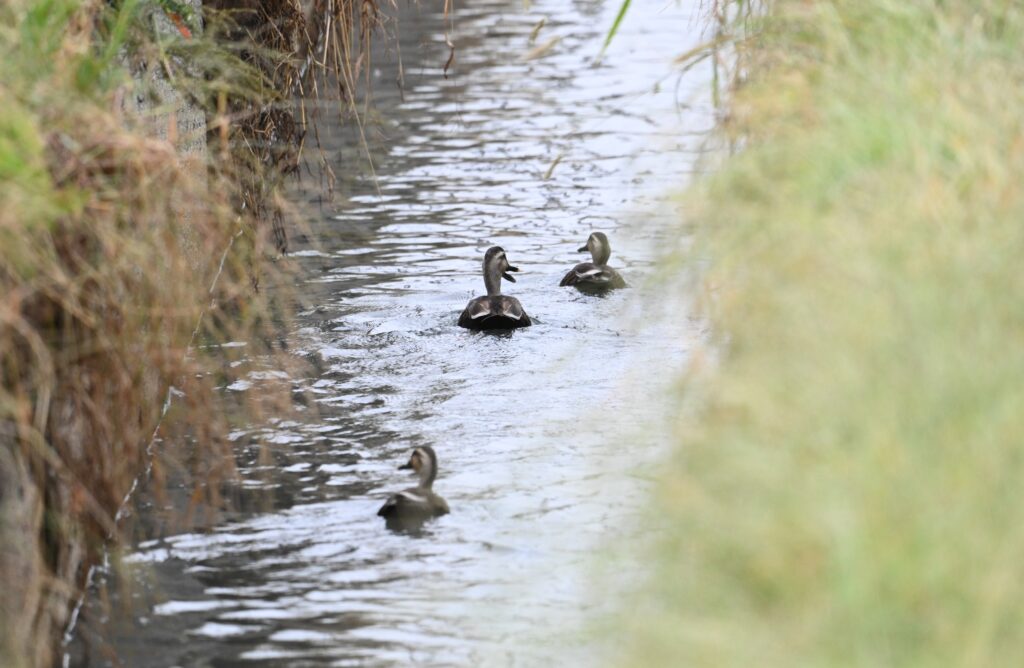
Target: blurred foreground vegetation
[(845, 489)]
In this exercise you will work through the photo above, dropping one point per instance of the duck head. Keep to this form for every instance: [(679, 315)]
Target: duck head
[(599, 247), (423, 462), (497, 267)]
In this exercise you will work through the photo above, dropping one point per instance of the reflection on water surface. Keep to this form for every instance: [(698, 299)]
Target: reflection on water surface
[(539, 433)]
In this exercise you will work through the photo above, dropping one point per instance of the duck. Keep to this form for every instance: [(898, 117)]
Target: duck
[(412, 507), (495, 310), (596, 275)]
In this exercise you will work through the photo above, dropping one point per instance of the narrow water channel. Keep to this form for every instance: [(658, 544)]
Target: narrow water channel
[(544, 436)]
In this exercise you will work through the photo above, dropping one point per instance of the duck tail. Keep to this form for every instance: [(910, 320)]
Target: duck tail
[(387, 508)]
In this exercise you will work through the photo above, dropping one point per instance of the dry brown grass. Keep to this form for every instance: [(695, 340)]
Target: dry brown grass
[(307, 51), (120, 252)]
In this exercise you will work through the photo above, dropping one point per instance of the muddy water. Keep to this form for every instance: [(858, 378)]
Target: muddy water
[(545, 436)]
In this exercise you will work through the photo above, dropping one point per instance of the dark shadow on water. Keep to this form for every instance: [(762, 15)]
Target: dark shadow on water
[(497, 333), (602, 293), (414, 527)]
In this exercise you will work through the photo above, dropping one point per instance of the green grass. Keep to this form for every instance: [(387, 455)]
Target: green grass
[(846, 485)]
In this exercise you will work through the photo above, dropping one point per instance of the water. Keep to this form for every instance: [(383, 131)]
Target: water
[(545, 436)]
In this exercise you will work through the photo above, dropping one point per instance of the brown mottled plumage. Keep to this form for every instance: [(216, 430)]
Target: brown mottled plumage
[(596, 275), (495, 310), (411, 507)]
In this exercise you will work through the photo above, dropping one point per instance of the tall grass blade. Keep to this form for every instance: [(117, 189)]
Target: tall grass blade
[(615, 26)]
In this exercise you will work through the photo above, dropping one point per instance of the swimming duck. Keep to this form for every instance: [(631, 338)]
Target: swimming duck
[(495, 310), (410, 508), (596, 275)]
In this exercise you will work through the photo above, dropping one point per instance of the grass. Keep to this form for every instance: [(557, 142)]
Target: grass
[(120, 252), (101, 287), (845, 490)]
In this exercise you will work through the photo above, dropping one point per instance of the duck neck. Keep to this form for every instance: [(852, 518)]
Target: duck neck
[(428, 475), (600, 253), (492, 281)]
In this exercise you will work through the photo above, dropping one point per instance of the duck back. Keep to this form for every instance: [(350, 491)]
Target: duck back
[(587, 275), (410, 508), (497, 312)]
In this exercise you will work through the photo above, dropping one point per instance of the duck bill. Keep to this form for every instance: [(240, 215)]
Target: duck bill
[(581, 250), (405, 467), (507, 276)]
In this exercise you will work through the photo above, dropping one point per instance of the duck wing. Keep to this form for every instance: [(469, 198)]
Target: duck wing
[(588, 274), (409, 501), (509, 307), (413, 502), (478, 309), (499, 312), (573, 277)]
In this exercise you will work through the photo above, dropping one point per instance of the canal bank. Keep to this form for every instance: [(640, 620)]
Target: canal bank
[(124, 243)]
